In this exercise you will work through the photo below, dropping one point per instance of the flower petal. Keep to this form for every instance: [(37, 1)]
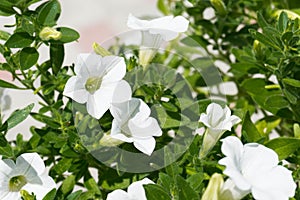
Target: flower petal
[(136, 23), (31, 160), (122, 92), (122, 112), (116, 132), (144, 128), (136, 189), (145, 145), (6, 167), (115, 68), (75, 89), (118, 195), (215, 113), (89, 65), (257, 156), (273, 184), (101, 100)]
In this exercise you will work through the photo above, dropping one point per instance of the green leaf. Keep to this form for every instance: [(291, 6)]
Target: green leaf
[(6, 8), (185, 190), (249, 130), (45, 119), (68, 184), (5, 84), (50, 195), (284, 146), (264, 39), (277, 101), (261, 20), (67, 35), (57, 54), (19, 40), (156, 192), (282, 21), (4, 35), (7, 151), (28, 57), (49, 13), (74, 196), (292, 82), (91, 185), (63, 165), (19, 116), (195, 180)]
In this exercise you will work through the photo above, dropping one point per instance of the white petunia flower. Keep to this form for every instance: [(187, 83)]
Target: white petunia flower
[(134, 192), (155, 31), (98, 82), (132, 123), (217, 120), (254, 168), (167, 27), (28, 173)]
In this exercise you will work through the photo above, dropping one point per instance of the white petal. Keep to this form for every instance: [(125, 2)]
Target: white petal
[(80, 66), (118, 195), (275, 184), (10, 196), (235, 119), (89, 65), (145, 145), (215, 113), (125, 110), (75, 89), (115, 68), (233, 148), (116, 132), (204, 119), (34, 160), (136, 189), (136, 23), (122, 92), (144, 128), (256, 157), (5, 169), (232, 192), (100, 101)]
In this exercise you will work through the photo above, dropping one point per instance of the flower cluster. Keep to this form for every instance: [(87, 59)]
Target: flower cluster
[(98, 83)]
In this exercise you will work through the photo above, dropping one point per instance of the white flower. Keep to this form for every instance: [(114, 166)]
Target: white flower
[(28, 173), (132, 124), (254, 168), (217, 120), (98, 83), (134, 192), (154, 32), (167, 27)]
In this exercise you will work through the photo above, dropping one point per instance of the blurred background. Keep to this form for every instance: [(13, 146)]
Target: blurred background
[(96, 21)]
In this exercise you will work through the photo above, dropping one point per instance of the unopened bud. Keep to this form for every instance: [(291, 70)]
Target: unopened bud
[(100, 50), (213, 189), (219, 6), (49, 33)]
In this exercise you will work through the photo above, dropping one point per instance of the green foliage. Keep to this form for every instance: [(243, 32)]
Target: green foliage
[(261, 50)]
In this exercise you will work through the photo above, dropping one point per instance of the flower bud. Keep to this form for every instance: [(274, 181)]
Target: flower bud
[(214, 187), (49, 33), (219, 6), (100, 50)]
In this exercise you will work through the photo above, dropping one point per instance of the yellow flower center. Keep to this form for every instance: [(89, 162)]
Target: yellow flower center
[(93, 84), (16, 183)]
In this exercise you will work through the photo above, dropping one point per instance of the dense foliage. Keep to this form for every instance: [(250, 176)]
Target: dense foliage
[(258, 42)]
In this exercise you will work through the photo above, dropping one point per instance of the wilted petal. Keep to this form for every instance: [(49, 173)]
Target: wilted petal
[(118, 195), (145, 145)]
